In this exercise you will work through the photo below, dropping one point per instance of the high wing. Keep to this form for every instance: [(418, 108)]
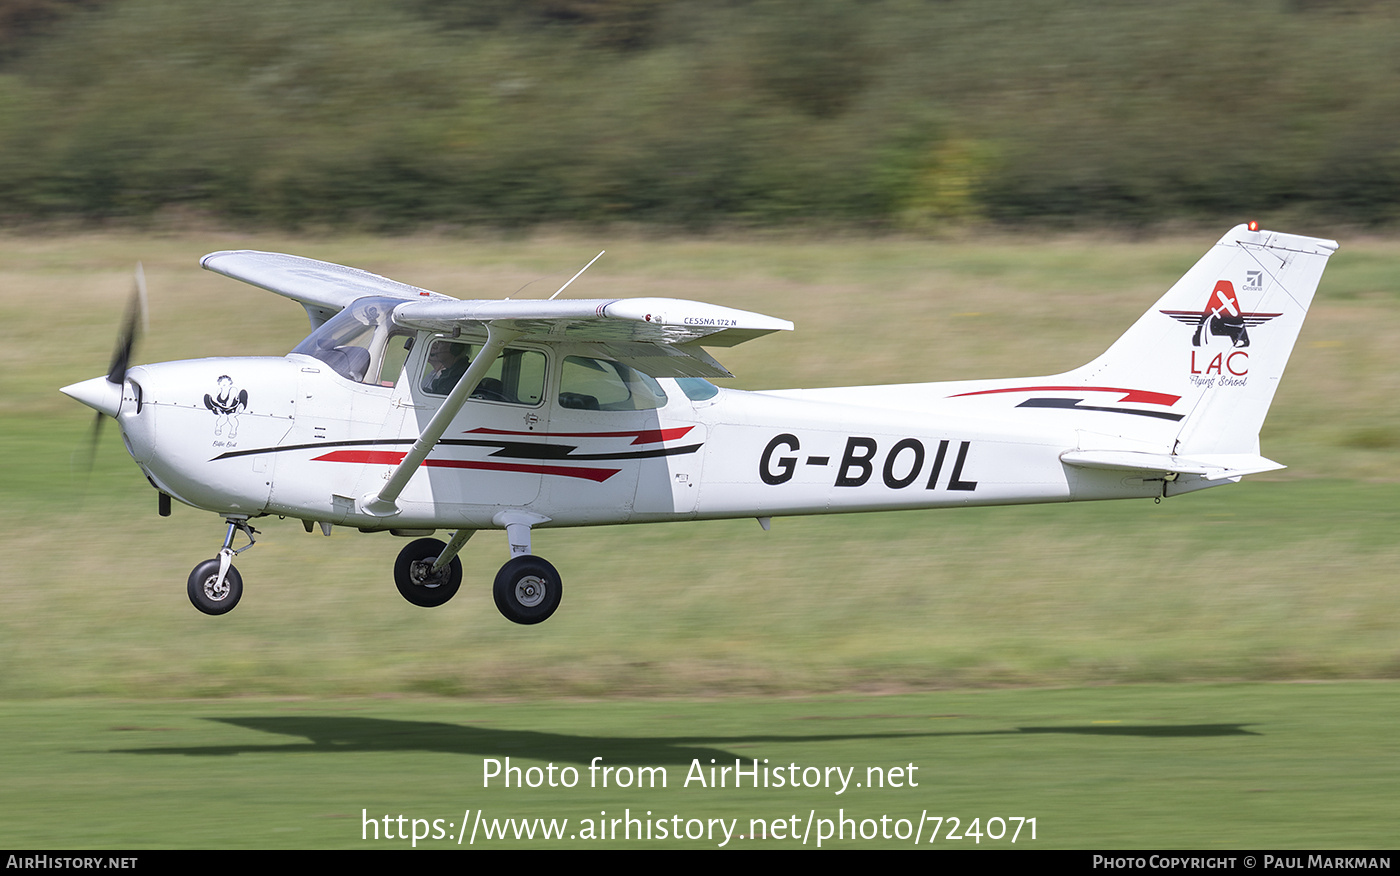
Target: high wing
[(657, 336), (662, 337), (323, 288)]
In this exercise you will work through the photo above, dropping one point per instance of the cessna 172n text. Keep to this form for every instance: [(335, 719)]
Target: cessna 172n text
[(409, 411)]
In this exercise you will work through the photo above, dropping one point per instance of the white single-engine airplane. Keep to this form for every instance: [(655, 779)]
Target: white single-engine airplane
[(409, 411)]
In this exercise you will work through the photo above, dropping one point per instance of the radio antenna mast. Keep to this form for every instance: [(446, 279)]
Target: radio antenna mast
[(576, 276)]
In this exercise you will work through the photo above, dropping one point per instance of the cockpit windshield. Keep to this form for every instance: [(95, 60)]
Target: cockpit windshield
[(361, 343)]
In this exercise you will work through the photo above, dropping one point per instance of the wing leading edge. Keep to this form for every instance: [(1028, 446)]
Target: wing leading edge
[(662, 337)]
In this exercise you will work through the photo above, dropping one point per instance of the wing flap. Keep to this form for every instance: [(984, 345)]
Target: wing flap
[(663, 360)]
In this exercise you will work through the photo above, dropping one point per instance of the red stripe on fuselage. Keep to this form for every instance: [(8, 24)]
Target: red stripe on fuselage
[(373, 457), (389, 457)]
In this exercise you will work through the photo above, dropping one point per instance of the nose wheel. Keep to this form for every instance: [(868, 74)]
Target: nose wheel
[(212, 592)]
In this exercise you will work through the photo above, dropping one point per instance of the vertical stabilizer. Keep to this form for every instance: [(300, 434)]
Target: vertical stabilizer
[(1220, 337)]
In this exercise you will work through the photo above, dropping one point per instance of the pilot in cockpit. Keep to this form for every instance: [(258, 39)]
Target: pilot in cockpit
[(448, 362)]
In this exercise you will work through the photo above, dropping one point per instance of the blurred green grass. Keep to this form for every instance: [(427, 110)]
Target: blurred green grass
[(1288, 576), (1235, 766)]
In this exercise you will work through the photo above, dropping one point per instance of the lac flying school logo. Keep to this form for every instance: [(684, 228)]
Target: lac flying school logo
[(1223, 322)]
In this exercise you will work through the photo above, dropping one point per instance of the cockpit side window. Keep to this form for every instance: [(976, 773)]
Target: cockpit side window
[(604, 385), (360, 343), (395, 355), (517, 377)]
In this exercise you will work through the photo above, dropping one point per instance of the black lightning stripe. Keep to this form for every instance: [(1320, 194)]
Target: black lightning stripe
[(504, 449), (1073, 404)]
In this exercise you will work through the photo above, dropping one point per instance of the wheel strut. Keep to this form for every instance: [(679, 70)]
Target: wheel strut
[(454, 547), (215, 585), (227, 553)]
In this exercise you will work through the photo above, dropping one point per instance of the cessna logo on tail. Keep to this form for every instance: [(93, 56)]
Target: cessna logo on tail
[(1223, 317)]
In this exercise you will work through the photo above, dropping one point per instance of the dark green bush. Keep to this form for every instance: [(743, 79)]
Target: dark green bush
[(901, 113)]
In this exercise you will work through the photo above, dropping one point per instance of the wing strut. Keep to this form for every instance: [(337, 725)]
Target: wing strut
[(384, 503)]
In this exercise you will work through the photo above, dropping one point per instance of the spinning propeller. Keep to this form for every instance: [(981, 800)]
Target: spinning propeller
[(104, 395), (136, 321)]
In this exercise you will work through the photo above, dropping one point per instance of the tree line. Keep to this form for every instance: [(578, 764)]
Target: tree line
[(905, 114)]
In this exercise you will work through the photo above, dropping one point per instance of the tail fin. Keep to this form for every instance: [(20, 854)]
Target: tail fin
[(1220, 338)]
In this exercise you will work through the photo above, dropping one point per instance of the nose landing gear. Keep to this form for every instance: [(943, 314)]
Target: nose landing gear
[(215, 585)]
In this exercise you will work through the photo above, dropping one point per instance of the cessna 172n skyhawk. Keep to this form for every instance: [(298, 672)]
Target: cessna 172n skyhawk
[(409, 411)]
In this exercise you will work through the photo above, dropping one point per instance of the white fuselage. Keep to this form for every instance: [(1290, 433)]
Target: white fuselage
[(289, 436)]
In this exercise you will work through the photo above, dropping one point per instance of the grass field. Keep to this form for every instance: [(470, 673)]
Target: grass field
[(1163, 766), (1286, 577)]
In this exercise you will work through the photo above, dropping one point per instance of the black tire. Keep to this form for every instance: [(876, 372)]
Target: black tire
[(208, 598), (528, 590), (416, 584)]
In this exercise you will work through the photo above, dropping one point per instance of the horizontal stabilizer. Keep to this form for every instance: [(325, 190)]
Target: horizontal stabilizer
[(1212, 467)]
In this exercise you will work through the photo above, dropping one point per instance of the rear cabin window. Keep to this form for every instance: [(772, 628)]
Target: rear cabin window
[(604, 385)]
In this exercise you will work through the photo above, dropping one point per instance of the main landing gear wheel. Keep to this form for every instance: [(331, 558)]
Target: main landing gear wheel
[(414, 576), (528, 590), (209, 594)]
